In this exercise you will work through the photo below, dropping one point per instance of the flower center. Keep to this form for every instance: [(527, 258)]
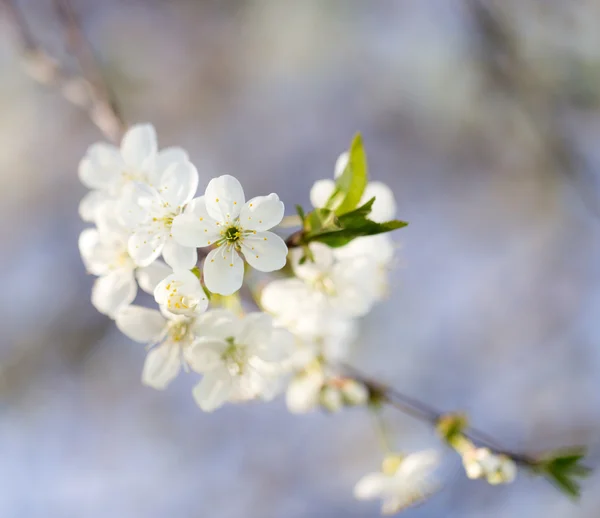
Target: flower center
[(325, 285), (179, 331), (232, 234), (235, 357)]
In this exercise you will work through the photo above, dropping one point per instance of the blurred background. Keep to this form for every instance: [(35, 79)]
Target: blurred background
[(484, 118)]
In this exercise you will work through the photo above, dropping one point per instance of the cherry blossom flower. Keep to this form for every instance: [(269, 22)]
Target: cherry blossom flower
[(104, 253), (181, 293), (237, 229), (169, 338), (481, 462), (240, 358), (402, 483), (149, 213), (107, 169)]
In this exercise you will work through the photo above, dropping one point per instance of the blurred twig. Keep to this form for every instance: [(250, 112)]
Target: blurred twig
[(89, 91), (506, 70)]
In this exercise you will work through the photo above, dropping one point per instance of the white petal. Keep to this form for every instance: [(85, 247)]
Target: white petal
[(265, 251), (179, 257), (310, 270), (214, 390), (393, 504), (144, 248), (178, 184), (224, 198), (420, 463), (303, 392), (88, 240), (142, 325), (166, 157), (149, 276), (113, 291), (206, 354), (384, 206), (256, 329), (223, 271), (371, 486), (262, 213), (340, 164), (139, 145), (217, 323), (93, 176), (91, 204), (162, 365), (320, 192), (135, 204), (195, 227)]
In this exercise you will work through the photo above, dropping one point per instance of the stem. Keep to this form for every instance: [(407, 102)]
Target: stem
[(423, 412), (88, 91)]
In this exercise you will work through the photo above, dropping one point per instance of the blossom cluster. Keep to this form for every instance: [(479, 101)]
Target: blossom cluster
[(150, 230)]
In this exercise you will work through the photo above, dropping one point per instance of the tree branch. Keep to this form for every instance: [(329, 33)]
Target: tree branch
[(89, 91)]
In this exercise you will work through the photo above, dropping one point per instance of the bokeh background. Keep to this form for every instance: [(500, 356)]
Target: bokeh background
[(482, 115)]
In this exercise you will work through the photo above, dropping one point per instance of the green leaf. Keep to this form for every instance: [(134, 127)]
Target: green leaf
[(321, 220), (564, 470), (350, 186), (365, 227), (300, 212)]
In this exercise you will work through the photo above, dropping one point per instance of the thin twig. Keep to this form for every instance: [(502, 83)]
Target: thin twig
[(88, 93), (423, 412)]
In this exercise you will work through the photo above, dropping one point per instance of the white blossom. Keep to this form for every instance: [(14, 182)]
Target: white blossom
[(149, 213), (240, 359), (107, 169), (169, 338), (181, 293), (483, 463), (346, 288), (104, 253), (402, 483), (236, 228)]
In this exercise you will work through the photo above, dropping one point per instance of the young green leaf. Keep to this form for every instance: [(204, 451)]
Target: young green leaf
[(350, 186)]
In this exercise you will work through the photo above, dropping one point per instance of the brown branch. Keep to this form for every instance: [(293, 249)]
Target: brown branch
[(423, 412), (90, 92)]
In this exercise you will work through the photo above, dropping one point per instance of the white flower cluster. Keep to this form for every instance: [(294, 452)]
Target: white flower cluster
[(402, 481), (483, 463), (142, 205), (319, 304)]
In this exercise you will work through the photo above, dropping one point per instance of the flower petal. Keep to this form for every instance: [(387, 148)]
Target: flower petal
[(142, 325), (371, 486), (223, 271), (262, 213), (310, 270), (217, 323), (114, 291), (384, 206), (340, 164), (144, 247), (139, 145), (214, 390), (206, 354), (303, 392), (256, 329), (265, 251), (179, 257), (162, 365), (88, 241), (149, 276), (224, 198), (320, 192), (178, 184), (195, 227), (91, 204), (135, 204), (164, 158)]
